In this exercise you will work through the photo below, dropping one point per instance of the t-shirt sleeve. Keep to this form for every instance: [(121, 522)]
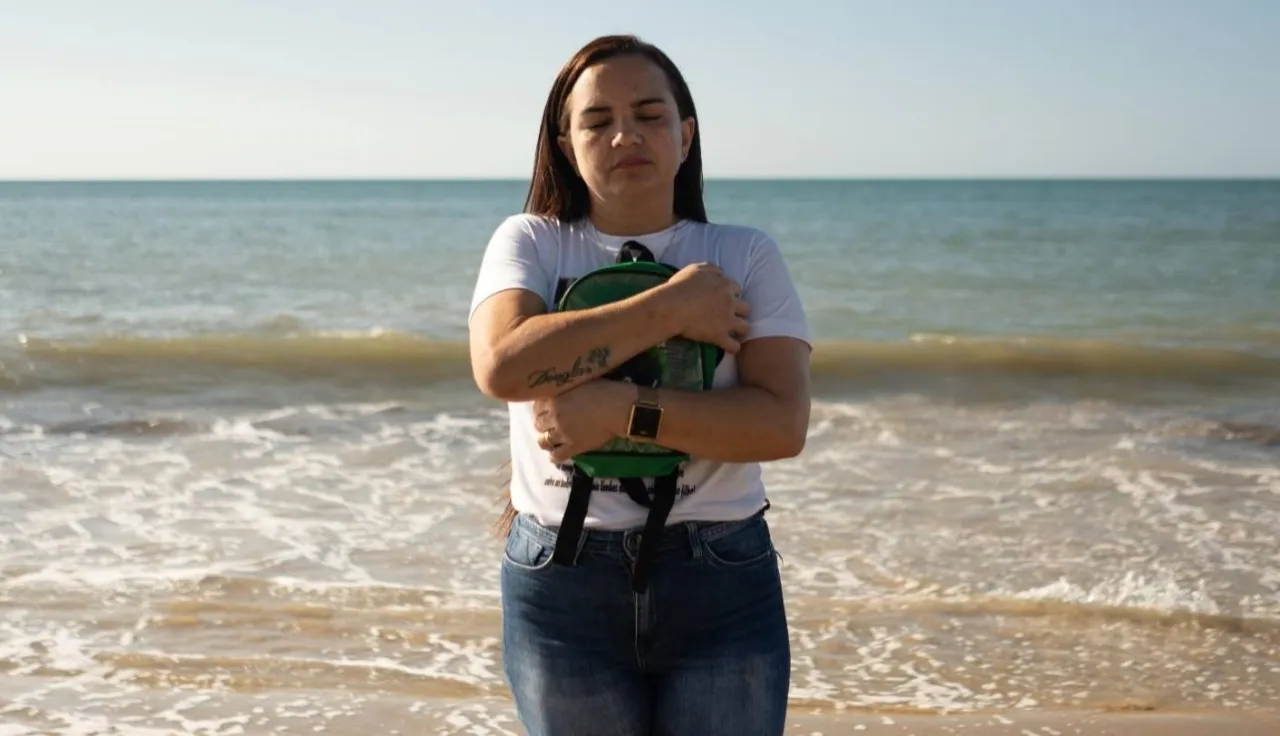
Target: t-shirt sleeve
[(776, 309), (511, 261)]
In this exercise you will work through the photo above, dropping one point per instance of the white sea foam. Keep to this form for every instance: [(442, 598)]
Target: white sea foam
[(349, 542), (1158, 591)]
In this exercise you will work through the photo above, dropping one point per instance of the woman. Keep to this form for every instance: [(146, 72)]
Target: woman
[(704, 648)]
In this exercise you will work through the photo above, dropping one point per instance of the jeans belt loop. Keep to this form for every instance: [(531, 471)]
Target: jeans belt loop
[(695, 540)]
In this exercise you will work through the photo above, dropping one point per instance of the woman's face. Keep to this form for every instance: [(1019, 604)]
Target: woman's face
[(621, 129)]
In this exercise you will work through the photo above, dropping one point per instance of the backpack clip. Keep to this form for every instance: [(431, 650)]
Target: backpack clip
[(632, 251)]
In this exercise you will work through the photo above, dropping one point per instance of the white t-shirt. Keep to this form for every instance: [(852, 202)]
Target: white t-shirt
[(543, 255)]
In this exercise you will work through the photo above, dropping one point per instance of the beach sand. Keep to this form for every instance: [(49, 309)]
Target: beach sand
[(440, 718), (400, 714), (1041, 724)]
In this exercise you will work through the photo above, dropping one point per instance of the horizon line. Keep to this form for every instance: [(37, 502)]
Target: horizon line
[(739, 178)]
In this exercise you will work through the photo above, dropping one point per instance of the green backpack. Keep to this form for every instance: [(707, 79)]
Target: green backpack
[(678, 364)]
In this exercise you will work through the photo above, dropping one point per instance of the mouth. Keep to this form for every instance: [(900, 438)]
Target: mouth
[(631, 162)]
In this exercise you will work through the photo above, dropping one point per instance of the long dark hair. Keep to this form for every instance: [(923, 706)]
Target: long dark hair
[(556, 190)]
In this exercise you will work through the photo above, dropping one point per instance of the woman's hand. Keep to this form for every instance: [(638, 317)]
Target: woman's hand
[(709, 306), (582, 418)]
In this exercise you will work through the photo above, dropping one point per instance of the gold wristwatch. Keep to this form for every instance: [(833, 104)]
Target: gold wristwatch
[(646, 414)]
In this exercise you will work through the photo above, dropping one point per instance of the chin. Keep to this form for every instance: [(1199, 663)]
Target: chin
[(636, 179)]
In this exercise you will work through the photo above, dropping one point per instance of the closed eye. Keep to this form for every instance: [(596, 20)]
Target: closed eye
[(605, 123)]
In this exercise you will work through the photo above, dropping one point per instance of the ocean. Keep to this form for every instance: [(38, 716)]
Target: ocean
[(247, 486)]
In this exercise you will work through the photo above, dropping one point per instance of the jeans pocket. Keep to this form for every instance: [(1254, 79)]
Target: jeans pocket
[(526, 553), (749, 544)]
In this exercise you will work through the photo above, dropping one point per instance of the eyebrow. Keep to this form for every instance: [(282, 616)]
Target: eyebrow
[(637, 103)]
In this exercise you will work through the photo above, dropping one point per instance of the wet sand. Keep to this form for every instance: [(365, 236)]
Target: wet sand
[(351, 713), (1042, 724), (462, 720), (1004, 723)]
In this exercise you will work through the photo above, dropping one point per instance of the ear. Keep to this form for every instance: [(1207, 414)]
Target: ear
[(687, 127)]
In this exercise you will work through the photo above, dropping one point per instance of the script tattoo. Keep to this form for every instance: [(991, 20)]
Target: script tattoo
[(583, 365)]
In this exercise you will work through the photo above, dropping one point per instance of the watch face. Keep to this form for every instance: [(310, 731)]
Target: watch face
[(645, 421)]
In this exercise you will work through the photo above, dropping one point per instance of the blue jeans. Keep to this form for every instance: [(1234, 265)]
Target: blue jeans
[(704, 650)]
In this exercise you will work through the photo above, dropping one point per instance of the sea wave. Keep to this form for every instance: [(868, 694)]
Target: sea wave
[(407, 359)]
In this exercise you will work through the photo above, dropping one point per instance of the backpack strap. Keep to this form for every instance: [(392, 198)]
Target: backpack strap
[(575, 515), (635, 488), (659, 505), (575, 512), (664, 498)]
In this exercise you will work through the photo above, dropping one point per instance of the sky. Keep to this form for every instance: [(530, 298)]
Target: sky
[(193, 89)]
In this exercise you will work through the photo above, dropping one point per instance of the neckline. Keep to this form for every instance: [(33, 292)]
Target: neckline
[(663, 236)]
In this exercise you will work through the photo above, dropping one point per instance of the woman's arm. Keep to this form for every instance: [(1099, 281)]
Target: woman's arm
[(519, 352), (765, 417)]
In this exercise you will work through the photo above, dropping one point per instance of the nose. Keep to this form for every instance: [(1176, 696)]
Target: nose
[(628, 134)]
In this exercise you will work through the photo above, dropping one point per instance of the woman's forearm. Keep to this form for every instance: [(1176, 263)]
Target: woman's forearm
[(737, 425), (548, 354)]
